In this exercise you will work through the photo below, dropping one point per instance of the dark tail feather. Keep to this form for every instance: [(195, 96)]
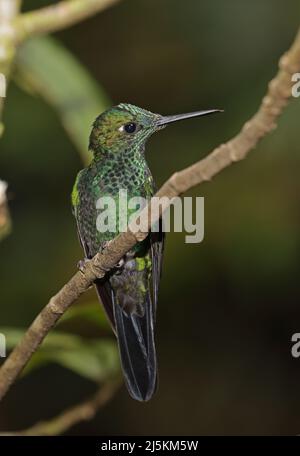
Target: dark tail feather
[(105, 294), (136, 343), (137, 350)]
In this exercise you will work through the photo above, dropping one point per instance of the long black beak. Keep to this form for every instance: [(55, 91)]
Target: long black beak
[(168, 119)]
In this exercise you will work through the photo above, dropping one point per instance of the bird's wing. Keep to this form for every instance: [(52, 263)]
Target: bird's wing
[(157, 249), (103, 286), (105, 294), (84, 213)]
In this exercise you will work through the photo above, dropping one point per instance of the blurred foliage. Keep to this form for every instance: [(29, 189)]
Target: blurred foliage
[(89, 313), (96, 360), (46, 68), (227, 307)]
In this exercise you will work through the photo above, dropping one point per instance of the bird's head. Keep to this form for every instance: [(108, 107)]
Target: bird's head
[(125, 125)]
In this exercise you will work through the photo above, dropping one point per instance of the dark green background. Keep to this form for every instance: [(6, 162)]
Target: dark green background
[(229, 306)]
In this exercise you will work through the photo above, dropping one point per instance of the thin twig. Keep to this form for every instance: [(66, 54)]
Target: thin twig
[(82, 412), (264, 121), (57, 17)]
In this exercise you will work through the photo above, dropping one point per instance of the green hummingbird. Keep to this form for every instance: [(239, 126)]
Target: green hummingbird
[(129, 292)]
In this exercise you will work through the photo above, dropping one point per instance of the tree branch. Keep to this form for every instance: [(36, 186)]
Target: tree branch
[(81, 412), (264, 121), (57, 17)]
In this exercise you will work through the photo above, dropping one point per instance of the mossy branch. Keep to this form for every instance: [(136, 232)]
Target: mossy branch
[(263, 122)]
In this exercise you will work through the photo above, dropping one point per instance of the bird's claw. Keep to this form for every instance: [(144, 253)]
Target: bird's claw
[(81, 265), (120, 265)]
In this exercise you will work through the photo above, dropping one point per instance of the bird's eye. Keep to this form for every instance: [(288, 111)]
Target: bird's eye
[(130, 127)]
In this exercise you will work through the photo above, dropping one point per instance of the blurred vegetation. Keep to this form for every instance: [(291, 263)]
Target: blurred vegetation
[(44, 67), (229, 306), (92, 359)]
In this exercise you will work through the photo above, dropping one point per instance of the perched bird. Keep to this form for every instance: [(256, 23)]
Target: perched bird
[(128, 292)]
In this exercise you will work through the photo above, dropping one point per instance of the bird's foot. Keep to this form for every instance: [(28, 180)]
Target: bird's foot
[(81, 265), (119, 266)]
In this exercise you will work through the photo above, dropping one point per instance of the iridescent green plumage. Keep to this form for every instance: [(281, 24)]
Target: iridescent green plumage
[(119, 163), (129, 292)]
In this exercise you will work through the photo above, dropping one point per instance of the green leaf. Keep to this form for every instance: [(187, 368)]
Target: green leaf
[(88, 312), (96, 360), (55, 339), (46, 68)]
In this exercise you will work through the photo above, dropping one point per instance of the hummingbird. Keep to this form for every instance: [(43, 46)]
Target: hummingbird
[(129, 292)]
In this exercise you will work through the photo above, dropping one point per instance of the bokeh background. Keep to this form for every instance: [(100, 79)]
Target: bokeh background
[(228, 307)]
